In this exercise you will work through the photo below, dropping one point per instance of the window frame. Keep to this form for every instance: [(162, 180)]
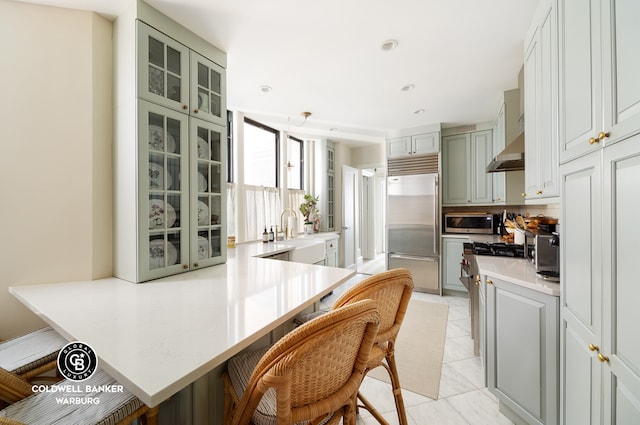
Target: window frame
[(301, 163), (277, 144)]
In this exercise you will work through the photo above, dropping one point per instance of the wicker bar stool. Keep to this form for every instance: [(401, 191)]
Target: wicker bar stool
[(392, 291), (46, 408), (310, 376), (28, 357)]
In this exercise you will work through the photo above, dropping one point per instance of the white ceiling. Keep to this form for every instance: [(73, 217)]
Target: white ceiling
[(326, 58)]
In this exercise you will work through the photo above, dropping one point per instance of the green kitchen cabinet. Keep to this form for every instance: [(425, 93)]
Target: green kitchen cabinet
[(169, 148), (600, 363), (418, 144), (464, 161), (522, 351), (541, 106), (598, 74), (452, 248)]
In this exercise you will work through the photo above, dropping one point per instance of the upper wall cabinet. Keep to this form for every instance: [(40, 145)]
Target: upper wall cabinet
[(169, 148), (541, 106), (464, 162), (420, 144), (507, 185), (174, 76), (599, 68)]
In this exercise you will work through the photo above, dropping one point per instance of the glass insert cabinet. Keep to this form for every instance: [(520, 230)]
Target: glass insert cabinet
[(177, 182), (172, 75)]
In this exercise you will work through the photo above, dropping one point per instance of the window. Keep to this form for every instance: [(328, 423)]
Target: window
[(295, 162), (260, 154)]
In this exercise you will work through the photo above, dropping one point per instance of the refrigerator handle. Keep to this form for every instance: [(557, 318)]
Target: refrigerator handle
[(436, 216)]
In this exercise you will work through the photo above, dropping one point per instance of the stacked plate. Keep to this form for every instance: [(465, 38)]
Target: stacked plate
[(161, 214), (159, 256)]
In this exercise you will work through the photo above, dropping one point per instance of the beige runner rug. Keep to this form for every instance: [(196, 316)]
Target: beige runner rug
[(420, 348)]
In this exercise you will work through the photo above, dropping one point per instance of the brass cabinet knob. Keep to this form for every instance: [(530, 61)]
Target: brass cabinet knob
[(185, 106), (489, 282), (602, 135), (593, 347), (196, 110), (603, 359), (538, 192), (524, 195), (185, 266), (593, 140), (195, 264)]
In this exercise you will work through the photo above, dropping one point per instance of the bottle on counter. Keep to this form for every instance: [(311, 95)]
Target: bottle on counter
[(272, 236), (265, 236)]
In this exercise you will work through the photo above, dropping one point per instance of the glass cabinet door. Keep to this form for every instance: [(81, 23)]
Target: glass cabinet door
[(163, 69), (207, 90), (208, 193), (163, 154)]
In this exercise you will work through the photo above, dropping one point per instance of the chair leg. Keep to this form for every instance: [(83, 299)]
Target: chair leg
[(151, 417), (397, 390)]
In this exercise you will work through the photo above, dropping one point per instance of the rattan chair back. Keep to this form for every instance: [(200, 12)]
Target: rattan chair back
[(392, 291), (316, 369)]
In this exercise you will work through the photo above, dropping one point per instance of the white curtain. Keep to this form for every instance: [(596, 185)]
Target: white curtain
[(263, 208), (296, 197)]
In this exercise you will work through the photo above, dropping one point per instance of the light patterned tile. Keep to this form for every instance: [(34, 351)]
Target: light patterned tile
[(439, 412), (452, 382), (478, 409)]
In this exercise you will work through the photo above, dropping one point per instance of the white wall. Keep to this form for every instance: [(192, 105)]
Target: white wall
[(55, 152)]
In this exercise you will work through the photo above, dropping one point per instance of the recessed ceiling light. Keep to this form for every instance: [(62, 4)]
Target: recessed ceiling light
[(408, 87), (418, 111), (265, 89), (389, 45)]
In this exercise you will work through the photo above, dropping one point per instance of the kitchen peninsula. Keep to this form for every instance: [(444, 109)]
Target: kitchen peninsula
[(158, 337)]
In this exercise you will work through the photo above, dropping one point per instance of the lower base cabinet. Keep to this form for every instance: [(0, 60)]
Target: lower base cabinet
[(331, 249), (452, 248), (522, 363)]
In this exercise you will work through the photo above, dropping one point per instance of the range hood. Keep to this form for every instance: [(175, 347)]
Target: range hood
[(510, 159)]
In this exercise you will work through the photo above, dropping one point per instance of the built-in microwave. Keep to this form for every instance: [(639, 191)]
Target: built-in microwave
[(481, 223)]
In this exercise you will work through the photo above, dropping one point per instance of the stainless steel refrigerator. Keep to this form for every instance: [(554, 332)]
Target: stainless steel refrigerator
[(413, 228)]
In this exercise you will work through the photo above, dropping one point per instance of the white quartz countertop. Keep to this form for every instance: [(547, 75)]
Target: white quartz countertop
[(158, 337), (516, 270)]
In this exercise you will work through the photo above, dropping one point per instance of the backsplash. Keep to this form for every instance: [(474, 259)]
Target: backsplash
[(551, 210)]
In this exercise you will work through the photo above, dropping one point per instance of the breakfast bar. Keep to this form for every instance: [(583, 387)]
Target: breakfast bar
[(156, 338)]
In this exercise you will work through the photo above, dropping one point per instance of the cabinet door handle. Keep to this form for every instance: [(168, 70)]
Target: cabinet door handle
[(593, 347), (196, 110), (195, 264), (593, 140), (489, 282), (185, 106), (524, 195), (185, 266), (538, 192), (602, 135), (603, 359)]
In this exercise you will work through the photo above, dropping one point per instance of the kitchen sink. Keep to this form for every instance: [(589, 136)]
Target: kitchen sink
[(305, 250)]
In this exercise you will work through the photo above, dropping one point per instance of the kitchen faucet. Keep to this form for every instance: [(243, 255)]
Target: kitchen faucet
[(289, 233)]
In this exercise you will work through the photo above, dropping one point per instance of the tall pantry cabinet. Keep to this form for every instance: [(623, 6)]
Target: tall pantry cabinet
[(169, 148), (599, 104)]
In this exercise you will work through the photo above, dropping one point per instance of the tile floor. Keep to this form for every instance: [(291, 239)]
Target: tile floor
[(463, 398)]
